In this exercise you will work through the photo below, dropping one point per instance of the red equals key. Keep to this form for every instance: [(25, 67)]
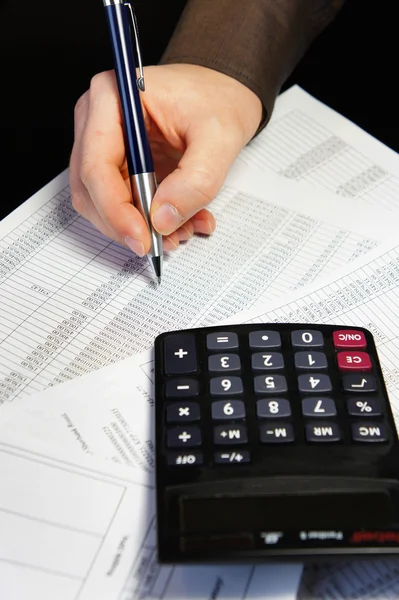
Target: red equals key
[(353, 361)]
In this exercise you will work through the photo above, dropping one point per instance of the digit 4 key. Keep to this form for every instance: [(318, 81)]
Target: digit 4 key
[(273, 441)]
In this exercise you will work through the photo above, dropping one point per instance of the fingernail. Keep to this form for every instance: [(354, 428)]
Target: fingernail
[(201, 226), (135, 246), (166, 219)]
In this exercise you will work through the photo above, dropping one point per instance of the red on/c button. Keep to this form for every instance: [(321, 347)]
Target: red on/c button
[(353, 361), (349, 338)]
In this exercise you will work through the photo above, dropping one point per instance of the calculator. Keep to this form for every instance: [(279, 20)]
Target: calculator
[(273, 441)]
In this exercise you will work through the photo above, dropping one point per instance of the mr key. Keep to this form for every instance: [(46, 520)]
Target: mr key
[(262, 403)]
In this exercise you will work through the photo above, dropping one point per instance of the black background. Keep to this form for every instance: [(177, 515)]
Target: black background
[(49, 51)]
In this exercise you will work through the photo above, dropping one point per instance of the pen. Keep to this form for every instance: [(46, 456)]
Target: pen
[(122, 27)]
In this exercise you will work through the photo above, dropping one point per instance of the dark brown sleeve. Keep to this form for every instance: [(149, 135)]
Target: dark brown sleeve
[(258, 42)]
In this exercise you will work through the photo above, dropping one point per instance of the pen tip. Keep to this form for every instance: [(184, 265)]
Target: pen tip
[(157, 266)]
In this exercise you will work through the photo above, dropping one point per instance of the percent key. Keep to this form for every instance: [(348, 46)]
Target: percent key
[(366, 408)]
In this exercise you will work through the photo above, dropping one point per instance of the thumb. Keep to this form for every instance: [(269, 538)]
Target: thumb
[(196, 180)]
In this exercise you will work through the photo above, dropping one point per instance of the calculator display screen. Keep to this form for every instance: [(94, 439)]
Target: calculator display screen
[(334, 510)]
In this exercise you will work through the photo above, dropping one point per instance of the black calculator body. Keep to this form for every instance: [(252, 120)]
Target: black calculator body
[(273, 441)]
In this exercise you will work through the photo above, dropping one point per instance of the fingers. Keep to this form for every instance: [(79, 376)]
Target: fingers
[(99, 179), (96, 164), (196, 180)]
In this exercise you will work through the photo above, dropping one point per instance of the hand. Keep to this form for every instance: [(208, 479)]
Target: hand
[(197, 120)]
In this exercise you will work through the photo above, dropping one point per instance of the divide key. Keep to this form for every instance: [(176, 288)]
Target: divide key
[(180, 355)]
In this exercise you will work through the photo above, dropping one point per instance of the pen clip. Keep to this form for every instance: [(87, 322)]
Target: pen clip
[(140, 80)]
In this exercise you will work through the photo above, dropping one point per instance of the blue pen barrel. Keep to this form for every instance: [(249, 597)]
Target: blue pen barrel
[(138, 152)]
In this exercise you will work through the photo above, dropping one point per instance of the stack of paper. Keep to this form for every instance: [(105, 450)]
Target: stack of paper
[(318, 198)]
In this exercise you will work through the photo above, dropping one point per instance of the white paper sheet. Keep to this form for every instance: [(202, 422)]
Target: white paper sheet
[(365, 294), (80, 530), (308, 142), (73, 302)]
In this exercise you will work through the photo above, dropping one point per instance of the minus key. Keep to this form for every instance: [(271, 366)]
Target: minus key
[(181, 388)]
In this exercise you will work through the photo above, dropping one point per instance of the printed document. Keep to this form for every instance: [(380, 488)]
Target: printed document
[(84, 530), (308, 142), (120, 398), (73, 302)]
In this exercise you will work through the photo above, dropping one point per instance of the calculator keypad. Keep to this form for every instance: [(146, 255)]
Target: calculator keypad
[(242, 392)]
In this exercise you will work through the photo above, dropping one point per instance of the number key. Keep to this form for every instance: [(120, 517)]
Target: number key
[(310, 361), (316, 384), (218, 363), (267, 362), (225, 409), (271, 384), (226, 386), (307, 338), (274, 407), (318, 407)]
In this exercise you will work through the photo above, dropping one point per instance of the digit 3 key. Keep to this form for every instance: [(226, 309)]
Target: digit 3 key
[(271, 428)]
